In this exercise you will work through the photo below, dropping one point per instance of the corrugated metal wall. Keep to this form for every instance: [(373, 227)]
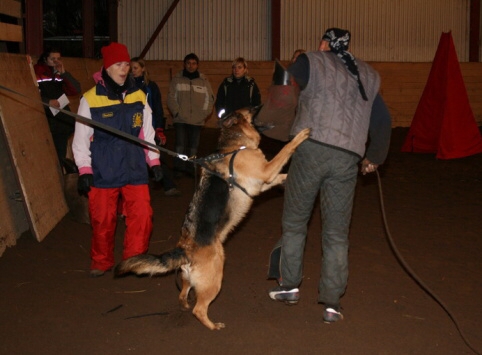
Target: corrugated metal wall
[(213, 29), (382, 30)]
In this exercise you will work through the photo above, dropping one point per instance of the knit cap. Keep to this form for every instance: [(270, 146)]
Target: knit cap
[(115, 53)]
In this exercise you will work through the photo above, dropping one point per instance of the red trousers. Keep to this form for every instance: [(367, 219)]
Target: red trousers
[(103, 205)]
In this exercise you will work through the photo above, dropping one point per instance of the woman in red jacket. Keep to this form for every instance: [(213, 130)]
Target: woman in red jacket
[(53, 82)]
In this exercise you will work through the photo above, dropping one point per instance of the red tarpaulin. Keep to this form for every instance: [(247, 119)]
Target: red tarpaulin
[(444, 122)]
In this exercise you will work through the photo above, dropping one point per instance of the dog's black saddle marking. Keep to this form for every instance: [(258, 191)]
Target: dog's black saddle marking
[(210, 214)]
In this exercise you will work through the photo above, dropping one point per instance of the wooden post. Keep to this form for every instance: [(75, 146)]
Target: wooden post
[(275, 29), (474, 35), (34, 27), (88, 28)]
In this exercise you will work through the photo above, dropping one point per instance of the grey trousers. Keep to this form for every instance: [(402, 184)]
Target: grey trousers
[(333, 173)]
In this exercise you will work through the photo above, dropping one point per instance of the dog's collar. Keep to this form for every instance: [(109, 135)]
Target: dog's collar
[(217, 156)]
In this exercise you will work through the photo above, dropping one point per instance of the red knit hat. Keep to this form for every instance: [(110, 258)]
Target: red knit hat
[(114, 53)]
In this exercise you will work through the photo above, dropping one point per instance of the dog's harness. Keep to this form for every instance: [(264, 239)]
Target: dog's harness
[(231, 179)]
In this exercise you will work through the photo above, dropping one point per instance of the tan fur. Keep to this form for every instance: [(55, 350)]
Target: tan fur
[(202, 265)]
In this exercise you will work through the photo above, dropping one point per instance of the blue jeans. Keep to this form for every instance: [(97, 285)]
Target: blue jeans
[(167, 181), (187, 142), (332, 173)]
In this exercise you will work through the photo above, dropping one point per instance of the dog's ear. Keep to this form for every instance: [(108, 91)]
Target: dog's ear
[(250, 113), (230, 120), (245, 112), (254, 110), (226, 120)]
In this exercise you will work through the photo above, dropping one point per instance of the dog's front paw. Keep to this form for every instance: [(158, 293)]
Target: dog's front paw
[(305, 134), (282, 179), (302, 136)]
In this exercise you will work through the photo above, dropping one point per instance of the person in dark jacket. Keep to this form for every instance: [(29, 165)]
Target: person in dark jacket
[(53, 82), (339, 101), (237, 91), (110, 165), (141, 77)]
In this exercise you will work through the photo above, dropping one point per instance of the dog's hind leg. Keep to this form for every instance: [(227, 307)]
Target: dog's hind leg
[(207, 276), (205, 295), (186, 287)]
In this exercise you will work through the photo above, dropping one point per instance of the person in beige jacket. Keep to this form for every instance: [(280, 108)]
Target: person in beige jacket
[(190, 101)]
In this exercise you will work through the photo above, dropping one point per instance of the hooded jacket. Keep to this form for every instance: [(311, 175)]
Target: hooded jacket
[(190, 100), (114, 161)]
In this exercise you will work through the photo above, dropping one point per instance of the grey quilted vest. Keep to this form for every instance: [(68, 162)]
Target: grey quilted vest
[(332, 106)]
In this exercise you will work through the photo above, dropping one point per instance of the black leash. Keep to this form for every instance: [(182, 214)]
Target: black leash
[(413, 275), (231, 181), (100, 125)]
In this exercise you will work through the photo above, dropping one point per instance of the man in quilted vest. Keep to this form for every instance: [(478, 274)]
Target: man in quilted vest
[(339, 101)]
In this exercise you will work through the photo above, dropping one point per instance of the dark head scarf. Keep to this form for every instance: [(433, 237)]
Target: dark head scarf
[(339, 40)]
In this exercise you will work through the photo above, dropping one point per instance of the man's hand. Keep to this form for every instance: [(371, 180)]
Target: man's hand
[(368, 167)]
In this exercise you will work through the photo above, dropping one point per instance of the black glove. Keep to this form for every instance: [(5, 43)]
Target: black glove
[(84, 183), (157, 172)]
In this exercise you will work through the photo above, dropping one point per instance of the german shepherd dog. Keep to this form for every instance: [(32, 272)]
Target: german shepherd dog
[(229, 181)]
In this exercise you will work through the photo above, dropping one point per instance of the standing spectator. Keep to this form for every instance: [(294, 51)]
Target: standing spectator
[(237, 90), (110, 165), (54, 81), (141, 77), (190, 100), (337, 97), (150, 88)]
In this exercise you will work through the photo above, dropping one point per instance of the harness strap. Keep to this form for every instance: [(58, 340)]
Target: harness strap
[(231, 180)]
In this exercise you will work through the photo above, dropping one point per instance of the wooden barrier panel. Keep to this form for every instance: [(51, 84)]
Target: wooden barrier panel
[(14, 220), (402, 83), (11, 32), (32, 157), (401, 87)]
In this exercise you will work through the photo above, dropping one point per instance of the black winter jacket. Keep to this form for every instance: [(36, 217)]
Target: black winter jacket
[(234, 94)]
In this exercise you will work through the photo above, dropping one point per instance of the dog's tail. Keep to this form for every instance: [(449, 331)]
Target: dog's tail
[(148, 264)]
